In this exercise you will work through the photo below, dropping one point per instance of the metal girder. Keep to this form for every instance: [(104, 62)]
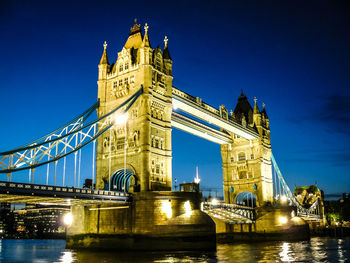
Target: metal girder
[(230, 213), (39, 194), (205, 112), (62, 142), (187, 124), (300, 209)]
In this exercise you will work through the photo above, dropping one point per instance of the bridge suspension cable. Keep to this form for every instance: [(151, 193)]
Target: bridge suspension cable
[(285, 192), (57, 145)]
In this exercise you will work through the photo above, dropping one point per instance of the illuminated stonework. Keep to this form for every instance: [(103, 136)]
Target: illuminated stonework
[(148, 128), (247, 164)]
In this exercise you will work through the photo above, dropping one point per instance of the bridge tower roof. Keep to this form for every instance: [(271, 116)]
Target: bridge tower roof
[(243, 108), (104, 58), (135, 37)]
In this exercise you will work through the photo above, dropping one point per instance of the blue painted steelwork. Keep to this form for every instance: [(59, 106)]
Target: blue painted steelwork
[(246, 199), (119, 179), (34, 190), (31, 155), (300, 209)]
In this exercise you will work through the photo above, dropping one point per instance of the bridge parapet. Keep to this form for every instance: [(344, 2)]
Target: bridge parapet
[(196, 100), (230, 213), (35, 193), (196, 107)]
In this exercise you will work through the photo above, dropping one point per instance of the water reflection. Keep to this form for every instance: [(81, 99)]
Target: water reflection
[(284, 254), (67, 257), (315, 250)]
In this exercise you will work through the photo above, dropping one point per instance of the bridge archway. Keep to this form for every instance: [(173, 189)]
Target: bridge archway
[(123, 177), (246, 199)]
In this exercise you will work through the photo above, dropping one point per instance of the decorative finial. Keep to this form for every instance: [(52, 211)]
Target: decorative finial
[(166, 41), (146, 29), (263, 105), (105, 45), (255, 99), (135, 20)]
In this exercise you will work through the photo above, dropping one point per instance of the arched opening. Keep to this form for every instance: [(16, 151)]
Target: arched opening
[(122, 178), (246, 199)]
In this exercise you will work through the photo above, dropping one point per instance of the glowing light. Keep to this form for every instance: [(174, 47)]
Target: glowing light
[(121, 118), (283, 220), (68, 219), (284, 199), (67, 257), (166, 209), (214, 201), (292, 214), (188, 209), (285, 254), (196, 179)]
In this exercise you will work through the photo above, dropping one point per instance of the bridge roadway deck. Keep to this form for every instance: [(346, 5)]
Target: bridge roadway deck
[(205, 112), (11, 192), (187, 124)]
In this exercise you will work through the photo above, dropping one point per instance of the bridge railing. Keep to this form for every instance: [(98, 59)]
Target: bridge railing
[(9, 188), (285, 192), (239, 210), (65, 141)]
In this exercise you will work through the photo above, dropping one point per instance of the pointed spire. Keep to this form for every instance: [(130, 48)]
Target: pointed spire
[(166, 53), (256, 108), (264, 111), (166, 42), (145, 41), (104, 58)]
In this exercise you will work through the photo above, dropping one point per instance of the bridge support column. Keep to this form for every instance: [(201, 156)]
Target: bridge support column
[(152, 221), (247, 169)]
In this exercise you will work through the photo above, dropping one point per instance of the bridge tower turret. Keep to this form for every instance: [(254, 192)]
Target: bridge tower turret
[(247, 164), (147, 132)]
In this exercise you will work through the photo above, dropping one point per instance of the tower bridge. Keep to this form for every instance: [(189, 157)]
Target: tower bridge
[(137, 108)]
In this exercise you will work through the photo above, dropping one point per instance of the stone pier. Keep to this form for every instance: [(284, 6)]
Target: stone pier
[(152, 221)]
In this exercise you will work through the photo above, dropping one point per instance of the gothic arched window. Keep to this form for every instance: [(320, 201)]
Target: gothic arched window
[(241, 156)]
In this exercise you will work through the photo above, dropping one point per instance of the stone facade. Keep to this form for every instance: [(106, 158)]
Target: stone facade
[(147, 131), (247, 164)]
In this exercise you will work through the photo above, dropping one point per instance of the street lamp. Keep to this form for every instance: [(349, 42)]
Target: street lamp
[(68, 219), (284, 199)]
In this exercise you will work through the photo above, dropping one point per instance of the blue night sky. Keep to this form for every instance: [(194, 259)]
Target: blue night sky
[(292, 55)]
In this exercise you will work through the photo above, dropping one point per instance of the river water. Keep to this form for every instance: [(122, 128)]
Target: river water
[(314, 250)]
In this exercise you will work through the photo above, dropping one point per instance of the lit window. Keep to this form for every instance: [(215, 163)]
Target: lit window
[(121, 68), (115, 84), (126, 66), (120, 144), (241, 157), (120, 82), (157, 169), (232, 159), (126, 81), (252, 156), (156, 143)]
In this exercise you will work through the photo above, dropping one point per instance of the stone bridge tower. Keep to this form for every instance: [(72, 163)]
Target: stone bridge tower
[(247, 164), (148, 125)]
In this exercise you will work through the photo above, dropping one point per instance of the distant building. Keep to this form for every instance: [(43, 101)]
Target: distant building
[(31, 221)]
